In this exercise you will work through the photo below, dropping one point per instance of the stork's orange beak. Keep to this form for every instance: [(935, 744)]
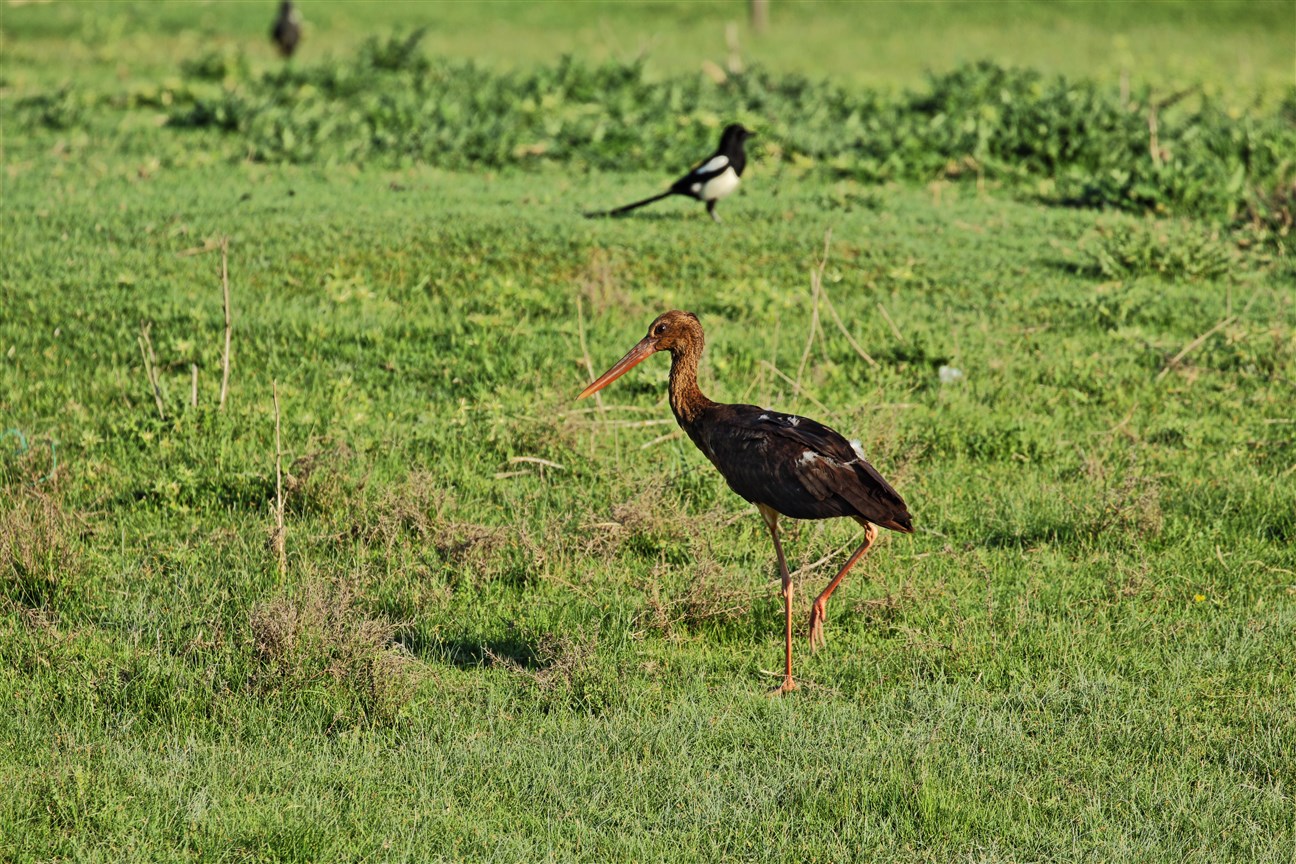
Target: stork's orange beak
[(641, 352)]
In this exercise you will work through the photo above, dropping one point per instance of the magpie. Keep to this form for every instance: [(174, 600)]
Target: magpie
[(710, 181), (286, 32)]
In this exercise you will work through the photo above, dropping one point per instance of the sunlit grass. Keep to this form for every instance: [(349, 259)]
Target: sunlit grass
[(1083, 653)]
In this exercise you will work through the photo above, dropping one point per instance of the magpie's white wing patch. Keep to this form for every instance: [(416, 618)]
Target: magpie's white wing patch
[(714, 165)]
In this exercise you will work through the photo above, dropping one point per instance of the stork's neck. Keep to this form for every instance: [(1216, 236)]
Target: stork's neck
[(686, 399)]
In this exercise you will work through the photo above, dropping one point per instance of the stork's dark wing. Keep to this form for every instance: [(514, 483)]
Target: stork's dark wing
[(799, 466)]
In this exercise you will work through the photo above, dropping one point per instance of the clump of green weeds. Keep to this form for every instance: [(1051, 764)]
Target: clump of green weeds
[(1269, 220), (1170, 250)]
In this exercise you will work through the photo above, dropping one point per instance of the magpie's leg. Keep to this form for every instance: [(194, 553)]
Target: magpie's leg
[(711, 210)]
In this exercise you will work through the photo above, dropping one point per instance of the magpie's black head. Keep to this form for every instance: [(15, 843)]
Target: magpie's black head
[(733, 136)]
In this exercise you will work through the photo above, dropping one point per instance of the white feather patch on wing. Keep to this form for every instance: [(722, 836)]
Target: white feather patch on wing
[(712, 165), (809, 456), (855, 445)]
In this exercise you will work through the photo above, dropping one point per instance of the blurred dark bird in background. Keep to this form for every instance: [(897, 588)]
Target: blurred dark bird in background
[(286, 32)]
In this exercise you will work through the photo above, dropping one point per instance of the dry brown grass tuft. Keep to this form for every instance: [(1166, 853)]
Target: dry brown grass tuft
[(601, 283), (1127, 501), (315, 481), (411, 509), (321, 634), (558, 660), (648, 514), (710, 596), (415, 516), (38, 548), (468, 544), (889, 609), (563, 669)]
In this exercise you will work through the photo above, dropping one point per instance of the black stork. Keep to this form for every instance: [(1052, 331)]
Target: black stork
[(785, 465), (286, 31)]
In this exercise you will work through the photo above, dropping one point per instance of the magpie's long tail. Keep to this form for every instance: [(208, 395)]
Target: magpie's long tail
[(627, 208)]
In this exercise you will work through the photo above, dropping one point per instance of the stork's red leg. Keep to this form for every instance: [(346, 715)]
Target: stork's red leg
[(771, 520), (818, 610)]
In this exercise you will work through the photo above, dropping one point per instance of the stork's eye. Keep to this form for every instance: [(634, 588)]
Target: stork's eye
[(659, 330)]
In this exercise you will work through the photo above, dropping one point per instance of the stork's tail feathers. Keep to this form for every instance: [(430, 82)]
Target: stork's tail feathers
[(903, 524)]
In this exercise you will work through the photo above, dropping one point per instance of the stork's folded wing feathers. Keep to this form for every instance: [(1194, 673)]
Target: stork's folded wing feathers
[(802, 468), (811, 434)]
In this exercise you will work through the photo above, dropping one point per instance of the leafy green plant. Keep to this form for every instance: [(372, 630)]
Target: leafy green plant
[(1152, 153), (1169, 250)]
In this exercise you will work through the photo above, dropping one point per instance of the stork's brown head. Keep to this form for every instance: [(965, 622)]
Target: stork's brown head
[(675, 330), (672, 331)]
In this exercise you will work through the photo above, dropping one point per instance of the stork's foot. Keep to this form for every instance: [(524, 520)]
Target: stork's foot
[(817, 616), (787, 686)]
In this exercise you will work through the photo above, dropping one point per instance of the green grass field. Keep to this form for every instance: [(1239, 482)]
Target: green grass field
[(517, 627)]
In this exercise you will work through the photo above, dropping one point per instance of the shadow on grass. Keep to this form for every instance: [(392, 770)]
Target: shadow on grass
[(470, 653), (1044, 532), (649, 216)]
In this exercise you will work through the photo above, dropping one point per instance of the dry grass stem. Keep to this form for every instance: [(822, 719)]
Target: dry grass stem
[(632, 424), (279, 508), (816, 282), (1194, 345), (834, 555), (210, 245), (527, 460), (229, 330), (891, 323), (589, 364), (150, 368), (1154, 144), (535, 460), (576, 412), (734, 62), (832, 310), (779, 372), (193, 392), (661, 439)]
